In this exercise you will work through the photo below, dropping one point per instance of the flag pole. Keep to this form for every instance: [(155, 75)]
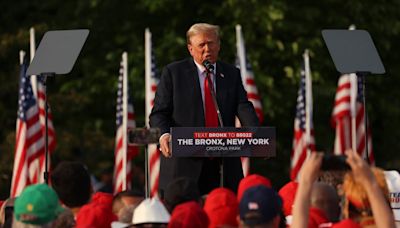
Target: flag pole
[(353, 103), (125, 117), (363, 75), (147, 37), (353, 112), (241, 51), (32, 42), (308, 99), (21, 57), (147, 54), (33, 78)]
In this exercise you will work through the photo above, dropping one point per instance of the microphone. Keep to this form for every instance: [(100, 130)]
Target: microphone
[(209, 66)]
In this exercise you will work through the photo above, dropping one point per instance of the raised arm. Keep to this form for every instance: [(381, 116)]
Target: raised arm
[(308, 176), (362, 173)]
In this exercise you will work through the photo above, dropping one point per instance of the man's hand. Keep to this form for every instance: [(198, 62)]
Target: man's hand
[(164, 145), (311, 168), (361, 171), (364, 176)]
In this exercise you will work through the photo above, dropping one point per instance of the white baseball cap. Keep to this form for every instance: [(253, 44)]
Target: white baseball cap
[(393, 181), (150, 211)]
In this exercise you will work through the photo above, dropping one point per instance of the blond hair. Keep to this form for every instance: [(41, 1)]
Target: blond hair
[(357, 195), (200, 28)]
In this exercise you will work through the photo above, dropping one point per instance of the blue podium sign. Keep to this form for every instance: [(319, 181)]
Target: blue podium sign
[(223, 142)]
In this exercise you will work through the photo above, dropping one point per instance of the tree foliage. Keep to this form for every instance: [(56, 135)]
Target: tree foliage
[(276, 34)]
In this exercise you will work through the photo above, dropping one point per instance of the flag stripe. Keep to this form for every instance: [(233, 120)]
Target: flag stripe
[(154, 169), (19, 161)]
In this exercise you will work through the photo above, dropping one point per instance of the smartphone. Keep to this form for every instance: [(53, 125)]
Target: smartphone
[(334, 162)]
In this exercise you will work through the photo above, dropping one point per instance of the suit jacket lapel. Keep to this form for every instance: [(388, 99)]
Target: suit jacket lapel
[(221, 85), (194, 83)]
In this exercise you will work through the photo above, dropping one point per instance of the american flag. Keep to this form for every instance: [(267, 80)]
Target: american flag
[(247, 75), (342, 117), (29, 137), (37, 167), (125, 120), (303, 140), (152, 79), (249, 86)]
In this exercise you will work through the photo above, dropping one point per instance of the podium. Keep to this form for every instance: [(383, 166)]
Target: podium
[(223, 142), (210, 142)]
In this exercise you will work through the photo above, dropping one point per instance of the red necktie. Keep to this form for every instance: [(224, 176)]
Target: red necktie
[(210, 112)]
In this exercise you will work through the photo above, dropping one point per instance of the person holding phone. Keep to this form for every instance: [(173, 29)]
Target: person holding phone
[(362, 178)]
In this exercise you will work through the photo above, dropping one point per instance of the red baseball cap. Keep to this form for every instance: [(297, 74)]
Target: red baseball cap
[(188, 214), (98, 213), (221, 207)]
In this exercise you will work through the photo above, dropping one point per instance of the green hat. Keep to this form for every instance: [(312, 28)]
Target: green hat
[(38, 204)]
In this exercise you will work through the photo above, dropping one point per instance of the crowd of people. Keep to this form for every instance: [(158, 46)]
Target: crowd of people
[(360, 197)]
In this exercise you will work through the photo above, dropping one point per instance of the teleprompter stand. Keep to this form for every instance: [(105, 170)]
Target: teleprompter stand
[(56, 54), (353, 51)]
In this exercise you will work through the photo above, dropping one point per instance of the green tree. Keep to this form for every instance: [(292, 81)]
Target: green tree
[(276, 33)]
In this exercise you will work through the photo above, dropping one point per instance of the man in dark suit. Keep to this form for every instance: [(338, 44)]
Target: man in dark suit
[(183, 99)]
